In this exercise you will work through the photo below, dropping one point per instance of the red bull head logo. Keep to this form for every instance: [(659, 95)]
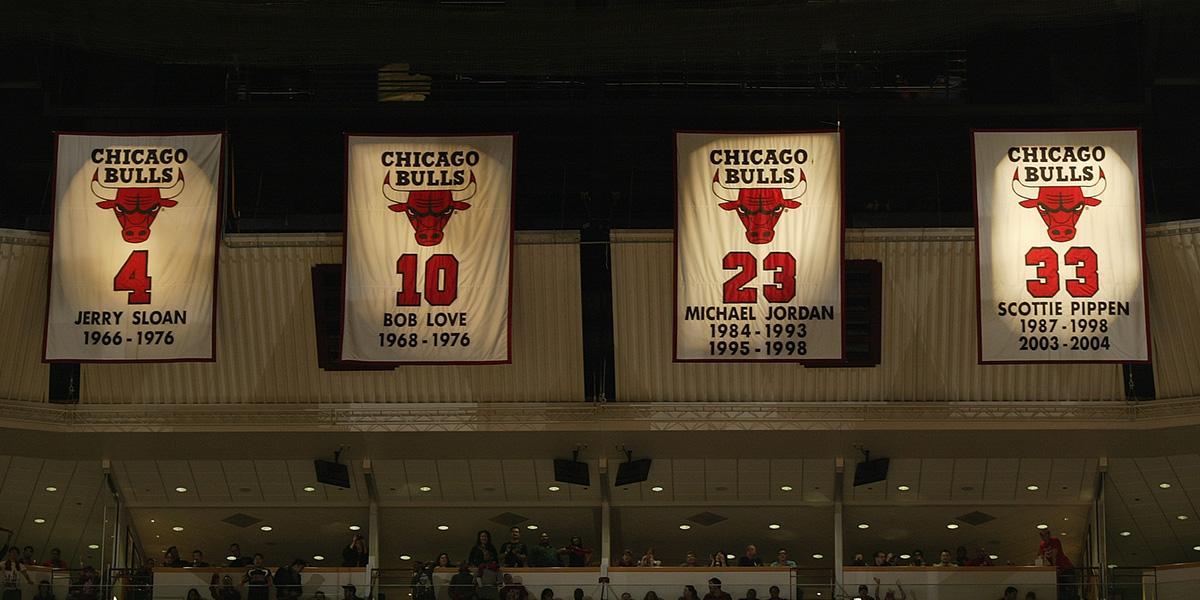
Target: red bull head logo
[(1060, 206), (428, 210), (135, 208), (759, 208)]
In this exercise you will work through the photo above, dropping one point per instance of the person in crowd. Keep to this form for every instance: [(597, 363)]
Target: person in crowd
[(576, 554), (544, 554), (257, 580), (171, 558), (690, 560), (650, 595), (514, 553), (12, 570), (44, 591), (483, 543), (751, 594), (918, 559), (717, 560), (355, 553), (715, 592), (1033, 596), (648, 559), (1010, 593), (287, 581), (981, 559), (462, 585), (487, 568), (514, 588), (141, 581), (889, 595), (349, 592), (193, 594), (27, 556), (782, 560), (627, 559), (238, 561), (547, 594), (626, 596), (422, 580), (864, 593), (945, 560), (443, 561), (960, 556), (750, 558), (577, 594), (690, 593), (892, 560), (55, 561), (225, 591), (773, 592), (197, 559), (1051, 550), (87, 586), (880, 559), (858, 561)]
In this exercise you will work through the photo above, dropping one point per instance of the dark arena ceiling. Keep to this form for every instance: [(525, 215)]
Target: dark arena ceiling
[(594, 88)]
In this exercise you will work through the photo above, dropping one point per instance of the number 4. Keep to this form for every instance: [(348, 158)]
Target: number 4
[(134, 277)]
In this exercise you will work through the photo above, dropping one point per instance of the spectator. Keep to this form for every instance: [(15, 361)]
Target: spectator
[(1051, 550), (355, 554), (236, 560), (544, 554), (142, 581), (349, 592), (462, 585), (782, 560), (442, 561), (547, 594), (257, 580), (945, 560), (483, 543), (717, 560), (197, 559), (690, 560), (577, 594), (750, 558), (513, 588), (44, 591), (889, 595), (650, 595), (514, 553), (11, 572), (858, 561), (715, 592), (864, 593), (87, 587), (918, 559), (774, 593), (648, 560), (626, 596), (171, 558), (487, 568), (577, 555), (627, 559), (981, 559), (27, 557), (689, 593), (880, 559), (960, 556), (287, 581), (226, 591), (193, 594), (56, 561), (1010, 593), (892, 561), (751, 594)]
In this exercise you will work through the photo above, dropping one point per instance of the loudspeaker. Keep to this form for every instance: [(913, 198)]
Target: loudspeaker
[(571, 471), (64, 383)]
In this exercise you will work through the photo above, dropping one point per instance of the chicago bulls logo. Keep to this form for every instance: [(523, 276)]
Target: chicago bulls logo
[(136, 208), (759, 208), (428, 210), (1060, 206)]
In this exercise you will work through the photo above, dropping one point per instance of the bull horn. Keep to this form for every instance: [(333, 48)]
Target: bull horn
[(101, 190), (175, 189), (466, 192), (1022, 190), (1091, 191), (797, 189), (390, 192), (722, 192)]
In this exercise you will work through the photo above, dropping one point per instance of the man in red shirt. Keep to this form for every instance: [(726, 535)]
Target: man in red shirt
[(1052, 551)]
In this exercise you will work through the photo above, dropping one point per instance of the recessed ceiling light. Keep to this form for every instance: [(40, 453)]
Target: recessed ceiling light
[(905, 556), (773, 526), (993, 556), (405, 557), (818, 556), (657, 488), (315, 557), (1182, 517), (903, 488), (531, 526), (309, 488), (93, 546), (1164, 485), (786, 488), (425, 488), (1032, 488), (51, 488), (1062, 534), (39, 520), (863, 525), (443, 527), (951, 525), (232, 557), (730, 556), (554, 488), (266, 528), (685, 526), (1112, 566), (176, 528), (1196, 548), (1042, 526), (1126, 533), (181, 489), (355, 528)]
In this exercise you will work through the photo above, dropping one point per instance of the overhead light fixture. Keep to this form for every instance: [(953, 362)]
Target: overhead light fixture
[(863, 526), (443, 527), (905, 556), (266, 528), (554, 488), (1164, 485), (315, 557), (355, 528), (181, 489), (425, 488), (730, 557), (657, 488), (177, 528), (232, 557), (951, 525), (785, 488), (993, 556), (51, 488), (93, 546), (818, 556), (684, 526), (405, 557), (1112, 566), (773, 526), (309, 488), (39, 520), (1062, 534), (1032, 488), (1196, 548), (903, 488), (1126, 533), (1043, 526), (1182, 517)]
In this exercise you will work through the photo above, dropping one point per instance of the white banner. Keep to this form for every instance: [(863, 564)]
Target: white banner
[(1060, 253), (428, 251), (134, 254), (758, 247)]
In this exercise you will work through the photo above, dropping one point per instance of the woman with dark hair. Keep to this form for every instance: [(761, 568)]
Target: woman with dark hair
[(443, 561), (483, 542), (690, 593), (193, 594), (547, 594), (486, 561), (717, 560), (171, 558)]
